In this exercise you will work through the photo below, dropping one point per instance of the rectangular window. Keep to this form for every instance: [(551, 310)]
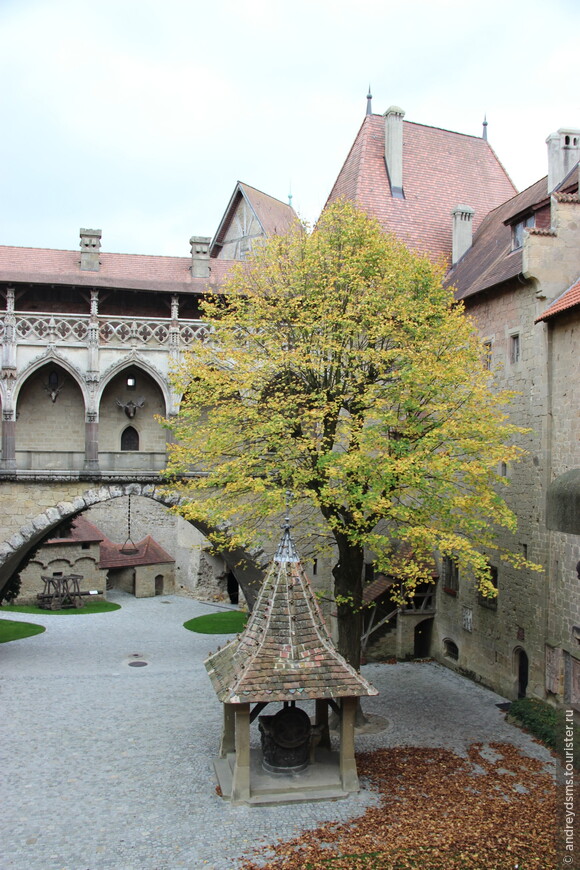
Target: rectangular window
[(490, 603), (487, 355), (518, 231), (514, 348), (450, 576)]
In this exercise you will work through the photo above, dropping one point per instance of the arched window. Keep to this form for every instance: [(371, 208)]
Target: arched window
[(130, 439), (451, 649)]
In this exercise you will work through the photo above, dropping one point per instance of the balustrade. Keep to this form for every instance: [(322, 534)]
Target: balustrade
[(113, 331)]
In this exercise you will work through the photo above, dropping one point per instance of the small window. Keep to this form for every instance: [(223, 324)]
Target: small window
[(487, 355), (450, 576), (131, 383), (451, 649), (130, 439), (85, 545), (490, 603), (503, 469), (518, 231), (514, 348), (314, 567)]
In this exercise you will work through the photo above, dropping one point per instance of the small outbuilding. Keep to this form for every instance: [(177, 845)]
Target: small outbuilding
[(285, 655)]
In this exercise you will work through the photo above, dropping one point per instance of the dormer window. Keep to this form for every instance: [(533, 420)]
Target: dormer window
[(518, 231)]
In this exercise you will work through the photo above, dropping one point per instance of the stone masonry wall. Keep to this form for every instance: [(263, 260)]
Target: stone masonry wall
[(487, 638)]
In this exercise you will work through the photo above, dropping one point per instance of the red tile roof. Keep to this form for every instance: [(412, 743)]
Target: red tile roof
[(569, 299), (121, 271), (275, 217), (285, 652), (441, 169), (82, 531), (149, 552)]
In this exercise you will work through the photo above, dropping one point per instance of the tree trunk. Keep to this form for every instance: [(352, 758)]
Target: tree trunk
[(348, 585)]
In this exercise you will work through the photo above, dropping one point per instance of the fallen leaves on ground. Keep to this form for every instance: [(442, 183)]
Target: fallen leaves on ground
[(495, 810)]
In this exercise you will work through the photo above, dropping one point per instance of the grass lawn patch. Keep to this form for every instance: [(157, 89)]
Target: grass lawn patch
[(90, 607), (12, 630), (546, 723), (224, 622)]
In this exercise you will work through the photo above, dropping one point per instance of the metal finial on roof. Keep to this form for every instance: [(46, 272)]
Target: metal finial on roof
[(286, 551), (369, 103), (484, 134)]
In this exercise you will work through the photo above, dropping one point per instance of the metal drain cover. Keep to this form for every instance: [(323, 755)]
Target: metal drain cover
[(137, 664)]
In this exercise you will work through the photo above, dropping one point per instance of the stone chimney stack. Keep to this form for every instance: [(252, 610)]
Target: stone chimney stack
[(563, 153), (90, 247), (199, 256), (394, 149), (462, 235)]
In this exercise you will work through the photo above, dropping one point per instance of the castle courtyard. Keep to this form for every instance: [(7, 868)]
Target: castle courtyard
[(111, 725)]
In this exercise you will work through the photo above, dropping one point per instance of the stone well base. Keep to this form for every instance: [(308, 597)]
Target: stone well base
[(320, 781)]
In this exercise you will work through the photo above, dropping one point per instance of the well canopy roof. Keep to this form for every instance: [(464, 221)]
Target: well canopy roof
[(285, 653)]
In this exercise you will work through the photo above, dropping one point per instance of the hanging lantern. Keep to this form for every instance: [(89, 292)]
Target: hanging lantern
[(129, 548)]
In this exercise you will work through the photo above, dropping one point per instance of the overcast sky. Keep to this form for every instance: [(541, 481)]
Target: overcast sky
[(139, 116)]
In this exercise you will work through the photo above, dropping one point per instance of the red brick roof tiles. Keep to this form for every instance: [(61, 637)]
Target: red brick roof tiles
[(149, 552), (82, 531), (121, 271), (285, 652), (441, 169), (569, 299), (274, 216)]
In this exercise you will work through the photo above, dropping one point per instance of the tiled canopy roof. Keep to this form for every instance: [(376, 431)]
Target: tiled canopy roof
[(441, 169), (121, 271), (285, 653), (569, 299), (149, 552)]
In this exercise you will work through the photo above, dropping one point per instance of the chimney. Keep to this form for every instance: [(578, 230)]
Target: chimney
[(394, 149), (462, 235), (563, 154), (199, 256), (90, 247)]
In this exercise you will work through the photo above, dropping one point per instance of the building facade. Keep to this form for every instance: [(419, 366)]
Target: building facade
[(89, 340), (514, 261)]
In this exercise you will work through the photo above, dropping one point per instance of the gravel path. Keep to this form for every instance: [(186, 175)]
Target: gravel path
[(109, 767)]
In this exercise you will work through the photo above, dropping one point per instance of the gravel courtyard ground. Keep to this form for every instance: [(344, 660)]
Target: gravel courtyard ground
[(106, 766)]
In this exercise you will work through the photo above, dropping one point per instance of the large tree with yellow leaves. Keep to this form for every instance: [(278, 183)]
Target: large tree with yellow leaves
[(339, 367)]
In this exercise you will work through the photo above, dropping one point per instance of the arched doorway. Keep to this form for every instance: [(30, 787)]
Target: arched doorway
[(422, 638), (521, 668)]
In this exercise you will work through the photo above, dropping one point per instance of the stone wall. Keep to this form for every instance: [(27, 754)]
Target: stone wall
[(537, 613), (66, 559), (487, 636)]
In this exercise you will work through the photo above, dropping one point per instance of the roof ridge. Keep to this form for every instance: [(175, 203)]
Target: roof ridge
[(263, 193)]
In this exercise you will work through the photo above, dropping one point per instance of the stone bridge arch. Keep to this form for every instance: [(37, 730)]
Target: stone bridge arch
[(29, 512)]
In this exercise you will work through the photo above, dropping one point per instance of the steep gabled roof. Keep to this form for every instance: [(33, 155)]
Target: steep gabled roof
[(274, 216), (81, 531), (441, 169), (149, 552), (569, 299), (490, 260), (120, 271), (285, 652)]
